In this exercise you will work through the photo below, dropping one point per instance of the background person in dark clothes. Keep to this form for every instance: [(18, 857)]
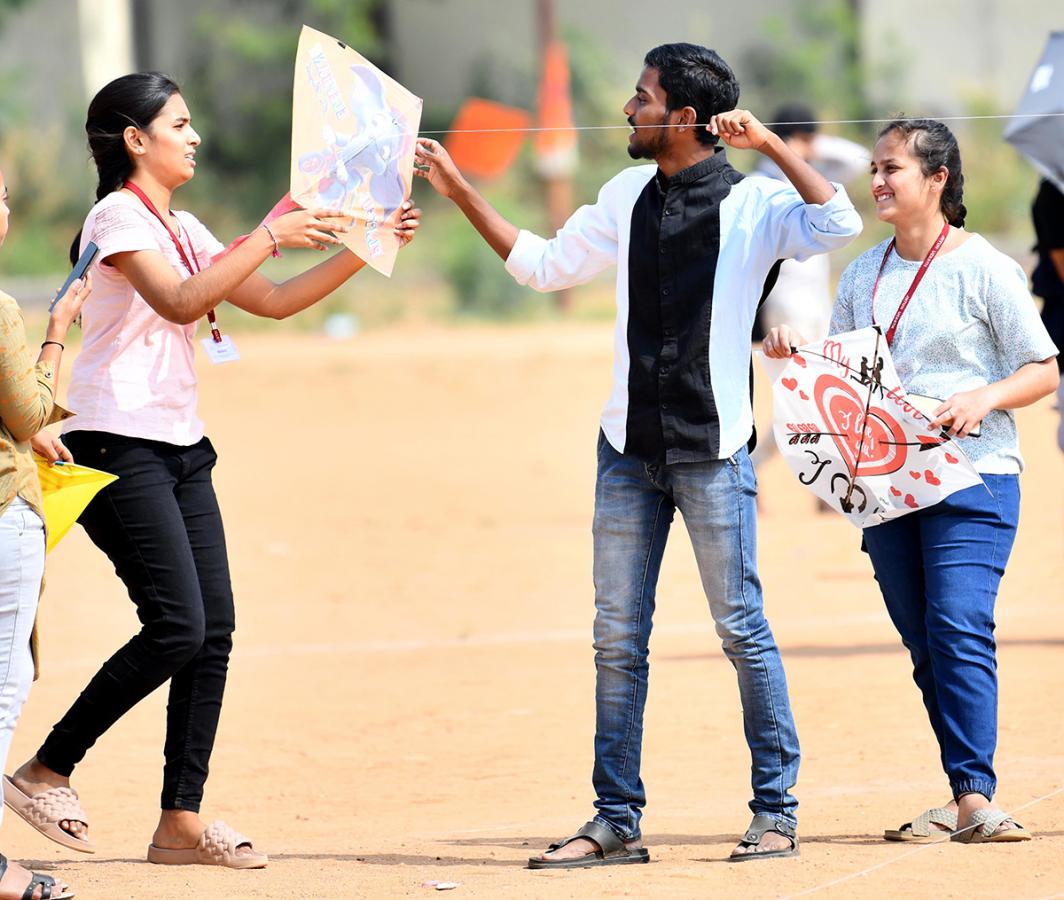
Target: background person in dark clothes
[(1047, 281)]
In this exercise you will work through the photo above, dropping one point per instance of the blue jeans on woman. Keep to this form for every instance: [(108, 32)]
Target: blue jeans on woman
[(939, 569), (634, 506)]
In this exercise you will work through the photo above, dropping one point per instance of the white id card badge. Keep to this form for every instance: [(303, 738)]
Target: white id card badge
[(222, 351)]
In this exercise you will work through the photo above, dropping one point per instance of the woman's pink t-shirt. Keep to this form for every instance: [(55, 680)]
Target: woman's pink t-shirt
[(135, 374)]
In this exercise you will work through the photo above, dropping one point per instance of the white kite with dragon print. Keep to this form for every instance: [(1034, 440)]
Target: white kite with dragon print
[(842, 422)]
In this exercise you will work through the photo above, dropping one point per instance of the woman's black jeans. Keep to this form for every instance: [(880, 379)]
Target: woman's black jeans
[(160, 526)]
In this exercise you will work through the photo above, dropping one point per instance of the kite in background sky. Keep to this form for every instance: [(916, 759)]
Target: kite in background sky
[(849, 432), (354, 130)]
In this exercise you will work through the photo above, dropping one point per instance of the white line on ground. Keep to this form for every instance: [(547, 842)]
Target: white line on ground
[(913, 852)]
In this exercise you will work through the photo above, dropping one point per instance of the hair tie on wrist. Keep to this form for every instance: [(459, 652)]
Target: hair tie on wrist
[(276, 246), (46, 343)]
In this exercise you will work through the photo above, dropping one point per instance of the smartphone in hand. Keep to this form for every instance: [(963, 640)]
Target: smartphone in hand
[(85, 261)]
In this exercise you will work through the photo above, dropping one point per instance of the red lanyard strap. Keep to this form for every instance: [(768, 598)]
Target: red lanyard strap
[(192, 264), (931, 254)]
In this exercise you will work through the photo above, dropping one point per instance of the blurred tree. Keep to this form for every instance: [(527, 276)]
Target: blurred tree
[(479, 283), (812, 55), (240, 92), (998, 183), (8, 6), (10, 99), (43, 183)]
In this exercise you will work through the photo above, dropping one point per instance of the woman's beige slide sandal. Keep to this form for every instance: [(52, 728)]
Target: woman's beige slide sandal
[(217, 847), (920, 830), (44, 811), (983, 827)]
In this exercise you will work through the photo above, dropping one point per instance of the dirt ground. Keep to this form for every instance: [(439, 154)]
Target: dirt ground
[(411, 694)]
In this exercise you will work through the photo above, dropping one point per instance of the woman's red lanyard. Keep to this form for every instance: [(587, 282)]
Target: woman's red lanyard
[(931, 254), (211, 318)]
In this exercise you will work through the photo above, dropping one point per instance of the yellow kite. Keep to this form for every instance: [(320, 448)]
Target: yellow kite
[(67, 490)]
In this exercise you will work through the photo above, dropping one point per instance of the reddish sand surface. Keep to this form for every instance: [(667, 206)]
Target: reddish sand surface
[(411, 694)]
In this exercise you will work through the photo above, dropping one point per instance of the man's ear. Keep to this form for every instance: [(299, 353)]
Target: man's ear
[(688, 117)]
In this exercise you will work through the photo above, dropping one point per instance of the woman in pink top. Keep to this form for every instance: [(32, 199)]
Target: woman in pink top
[(134, 390)]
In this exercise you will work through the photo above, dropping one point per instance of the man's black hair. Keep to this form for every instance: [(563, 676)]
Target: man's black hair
[(697, 77), (794, 118)]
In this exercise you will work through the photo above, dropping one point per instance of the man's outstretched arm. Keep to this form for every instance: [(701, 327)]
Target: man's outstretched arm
[(433, 163), (585, 245)]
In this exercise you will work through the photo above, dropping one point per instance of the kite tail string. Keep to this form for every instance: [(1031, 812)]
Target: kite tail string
[(847, 503)]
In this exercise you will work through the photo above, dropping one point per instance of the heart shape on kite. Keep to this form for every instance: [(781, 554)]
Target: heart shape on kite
[(931, 478), (790, 383), (877, 437), (910, 501)]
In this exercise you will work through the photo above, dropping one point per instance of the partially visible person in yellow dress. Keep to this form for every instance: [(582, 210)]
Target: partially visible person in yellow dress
[(27, 404)]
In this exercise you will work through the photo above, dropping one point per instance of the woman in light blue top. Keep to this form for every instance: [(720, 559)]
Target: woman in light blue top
[(971, 335)]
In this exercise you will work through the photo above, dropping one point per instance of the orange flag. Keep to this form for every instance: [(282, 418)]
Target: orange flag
[(499, 132), (555, 148)]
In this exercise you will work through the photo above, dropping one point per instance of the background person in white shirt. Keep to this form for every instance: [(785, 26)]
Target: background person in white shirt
[(801, 296)]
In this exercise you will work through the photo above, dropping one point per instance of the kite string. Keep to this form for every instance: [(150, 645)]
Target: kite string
[(846, 504), (768, 124)]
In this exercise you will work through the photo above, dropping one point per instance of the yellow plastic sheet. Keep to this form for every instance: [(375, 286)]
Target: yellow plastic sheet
[(67, 490)]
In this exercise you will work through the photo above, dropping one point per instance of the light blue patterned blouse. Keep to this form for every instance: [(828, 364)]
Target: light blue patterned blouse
[(971, 322)]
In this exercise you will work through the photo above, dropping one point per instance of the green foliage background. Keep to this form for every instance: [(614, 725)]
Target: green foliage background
[(238, 83)]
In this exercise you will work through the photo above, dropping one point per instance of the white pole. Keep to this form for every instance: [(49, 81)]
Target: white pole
[(106, 31)]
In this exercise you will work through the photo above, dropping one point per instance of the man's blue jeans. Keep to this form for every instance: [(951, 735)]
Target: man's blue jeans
[(634, 506), (939, 569)]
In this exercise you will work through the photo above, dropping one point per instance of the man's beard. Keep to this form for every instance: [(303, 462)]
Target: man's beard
[(650, 144)]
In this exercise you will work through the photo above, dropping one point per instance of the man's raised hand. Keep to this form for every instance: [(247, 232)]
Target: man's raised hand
[(433, 163), (739, 129)]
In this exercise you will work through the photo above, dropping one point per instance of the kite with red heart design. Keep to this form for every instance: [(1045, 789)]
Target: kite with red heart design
[(846, 430)]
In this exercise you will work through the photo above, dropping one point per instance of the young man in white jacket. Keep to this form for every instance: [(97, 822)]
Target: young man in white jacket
[(693, 241)]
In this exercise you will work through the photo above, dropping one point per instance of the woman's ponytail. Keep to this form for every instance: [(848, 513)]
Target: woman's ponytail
[(130, 100)]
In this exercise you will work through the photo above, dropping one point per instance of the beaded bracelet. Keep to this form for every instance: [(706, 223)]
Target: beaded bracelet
[(276, 246)]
